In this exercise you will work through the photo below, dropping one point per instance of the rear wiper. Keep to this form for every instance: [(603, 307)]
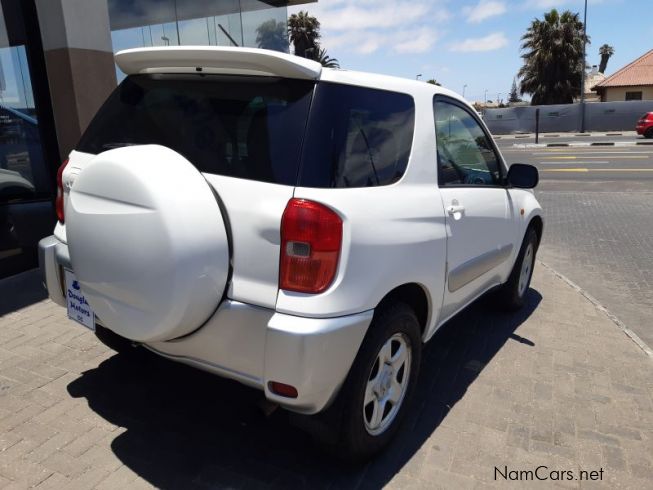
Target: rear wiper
[(113, 145), (369, 152)]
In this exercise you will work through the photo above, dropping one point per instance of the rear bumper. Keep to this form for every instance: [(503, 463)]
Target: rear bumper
[(251, 344), (53, 257), (256, 346)]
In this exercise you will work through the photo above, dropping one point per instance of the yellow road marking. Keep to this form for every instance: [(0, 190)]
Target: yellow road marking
[(631, 157)]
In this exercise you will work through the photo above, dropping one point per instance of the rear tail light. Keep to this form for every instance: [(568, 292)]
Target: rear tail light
[(58, 202), (311, 238)]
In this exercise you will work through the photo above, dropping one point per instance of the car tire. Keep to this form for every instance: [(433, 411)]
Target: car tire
[(511, 296), (361, 432), (114, 341), (649, 133)]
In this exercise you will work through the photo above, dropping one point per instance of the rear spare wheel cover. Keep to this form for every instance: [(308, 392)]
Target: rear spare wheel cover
[(147, 242)]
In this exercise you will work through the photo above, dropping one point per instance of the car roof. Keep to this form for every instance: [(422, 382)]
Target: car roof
[(254, 61)]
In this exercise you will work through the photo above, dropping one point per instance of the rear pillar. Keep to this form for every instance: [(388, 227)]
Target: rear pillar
[(79, 62)]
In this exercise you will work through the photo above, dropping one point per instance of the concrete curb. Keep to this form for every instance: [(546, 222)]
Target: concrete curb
[(583, 144), (629, 333), (632, 134)]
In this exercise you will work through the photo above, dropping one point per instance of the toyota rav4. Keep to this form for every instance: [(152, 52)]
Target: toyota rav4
[(299, 229)]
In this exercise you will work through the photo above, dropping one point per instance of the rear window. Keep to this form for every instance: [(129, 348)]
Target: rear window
[(357, 137), (255, 127), (247, 127)]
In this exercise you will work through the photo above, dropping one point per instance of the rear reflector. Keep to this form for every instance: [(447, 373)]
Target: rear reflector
[(282, 389), (311, 238)]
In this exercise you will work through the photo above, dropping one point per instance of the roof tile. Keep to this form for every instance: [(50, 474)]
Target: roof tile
[(639, 72)]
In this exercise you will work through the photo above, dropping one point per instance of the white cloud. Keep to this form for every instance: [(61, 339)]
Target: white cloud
[(365, 17), (368, 26), (415, 42), (483, 10), (491, 42), (367, 42)]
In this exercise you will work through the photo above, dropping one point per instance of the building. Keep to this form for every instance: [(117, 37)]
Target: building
[(592, 78), (56, 68), (633, 82)]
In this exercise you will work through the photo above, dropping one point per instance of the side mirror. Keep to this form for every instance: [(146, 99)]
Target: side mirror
[(523, 176)]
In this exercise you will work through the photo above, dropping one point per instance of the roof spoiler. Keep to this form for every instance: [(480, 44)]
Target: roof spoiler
[(217, 59)]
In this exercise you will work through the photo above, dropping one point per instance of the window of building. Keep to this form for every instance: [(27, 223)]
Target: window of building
[(145, 23), (465, 152), (357, 137), (26, 179), (633, 95)]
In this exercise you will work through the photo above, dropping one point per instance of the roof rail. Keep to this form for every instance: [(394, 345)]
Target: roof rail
[(216, 59)]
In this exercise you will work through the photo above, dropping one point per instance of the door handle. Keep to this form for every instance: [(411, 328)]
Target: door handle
[(455, 208)]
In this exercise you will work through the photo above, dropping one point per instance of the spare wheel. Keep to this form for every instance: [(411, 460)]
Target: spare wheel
[(147, 242)]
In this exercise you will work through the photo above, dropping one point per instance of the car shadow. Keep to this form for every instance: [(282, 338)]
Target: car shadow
[(189, 429), (20, 291)]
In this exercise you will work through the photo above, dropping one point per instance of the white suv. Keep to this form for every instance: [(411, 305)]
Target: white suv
[(301, 230)]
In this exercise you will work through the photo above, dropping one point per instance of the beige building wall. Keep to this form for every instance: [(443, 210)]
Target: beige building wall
[(618, 94)]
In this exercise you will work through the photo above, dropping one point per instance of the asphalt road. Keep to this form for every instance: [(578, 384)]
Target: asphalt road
[(598, 205), (602, 165)]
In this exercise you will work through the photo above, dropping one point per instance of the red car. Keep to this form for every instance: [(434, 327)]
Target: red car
[(645, 125)]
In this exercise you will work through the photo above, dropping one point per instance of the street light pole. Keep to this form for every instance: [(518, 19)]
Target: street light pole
[(417, 76), (464, 87), (582, 83), (177, 25), (485, 97)]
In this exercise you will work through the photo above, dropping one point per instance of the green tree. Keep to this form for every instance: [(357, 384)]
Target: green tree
[(272, 35), (433, 81), (304, 33), (553, 58), (513, 95), (324, 59), (606, 51)]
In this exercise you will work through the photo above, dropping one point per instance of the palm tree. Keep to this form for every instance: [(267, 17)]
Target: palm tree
[(304, 32), (325, 60), (272, 35), (606, 51), (553, 61)]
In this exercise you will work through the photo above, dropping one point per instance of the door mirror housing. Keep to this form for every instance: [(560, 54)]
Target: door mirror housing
[(523, 176)]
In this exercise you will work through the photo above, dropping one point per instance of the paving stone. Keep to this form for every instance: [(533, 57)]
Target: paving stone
[(604, 246), (556, 385), (614, 457)]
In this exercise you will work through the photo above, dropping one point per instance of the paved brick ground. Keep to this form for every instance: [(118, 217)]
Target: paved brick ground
[(557, 385), (603, 241)]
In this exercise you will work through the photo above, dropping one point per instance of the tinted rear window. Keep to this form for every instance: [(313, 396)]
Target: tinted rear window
[(357, 137), (247, 127)]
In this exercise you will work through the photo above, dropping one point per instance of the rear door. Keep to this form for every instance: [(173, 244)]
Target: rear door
[(243, 133), (479, 215)]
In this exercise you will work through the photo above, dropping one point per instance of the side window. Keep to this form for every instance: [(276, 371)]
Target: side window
[(357, 137), (465, 152)]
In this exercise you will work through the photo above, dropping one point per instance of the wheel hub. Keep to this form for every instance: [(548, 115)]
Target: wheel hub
[(387, 384), (385, 381)]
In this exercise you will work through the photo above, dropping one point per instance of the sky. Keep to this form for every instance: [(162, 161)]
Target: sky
[(467, 42)]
